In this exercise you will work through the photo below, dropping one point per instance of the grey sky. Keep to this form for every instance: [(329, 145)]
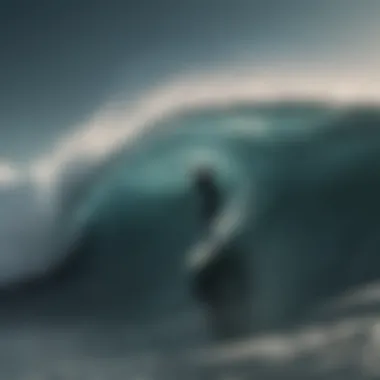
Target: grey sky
[(62, 60)]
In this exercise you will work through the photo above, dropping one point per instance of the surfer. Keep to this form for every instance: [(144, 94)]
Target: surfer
[(209, 194), (218, 276)]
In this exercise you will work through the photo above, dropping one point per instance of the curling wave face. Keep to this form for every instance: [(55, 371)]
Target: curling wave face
[(299, 178)]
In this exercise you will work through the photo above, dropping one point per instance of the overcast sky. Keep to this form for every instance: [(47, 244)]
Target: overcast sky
[(62, 60)]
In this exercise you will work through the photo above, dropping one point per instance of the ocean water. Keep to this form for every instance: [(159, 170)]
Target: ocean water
[(300, 186)]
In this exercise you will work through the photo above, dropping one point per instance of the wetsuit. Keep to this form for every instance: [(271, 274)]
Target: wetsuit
[(221, 284)]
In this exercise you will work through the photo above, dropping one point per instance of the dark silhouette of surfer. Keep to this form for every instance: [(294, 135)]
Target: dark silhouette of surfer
[(219, 284), (209, 194)]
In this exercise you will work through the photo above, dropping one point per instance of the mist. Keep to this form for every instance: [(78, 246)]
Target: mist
[(104, 110)]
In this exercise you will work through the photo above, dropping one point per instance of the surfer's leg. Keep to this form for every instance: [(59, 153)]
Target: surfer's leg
[(223, 290)]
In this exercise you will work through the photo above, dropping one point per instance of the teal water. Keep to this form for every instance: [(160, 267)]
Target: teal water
[(303, 180)]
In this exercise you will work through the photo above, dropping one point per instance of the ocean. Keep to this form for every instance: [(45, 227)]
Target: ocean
[(108, 297)]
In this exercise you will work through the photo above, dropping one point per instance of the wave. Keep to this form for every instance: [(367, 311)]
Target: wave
[(116, 236)]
